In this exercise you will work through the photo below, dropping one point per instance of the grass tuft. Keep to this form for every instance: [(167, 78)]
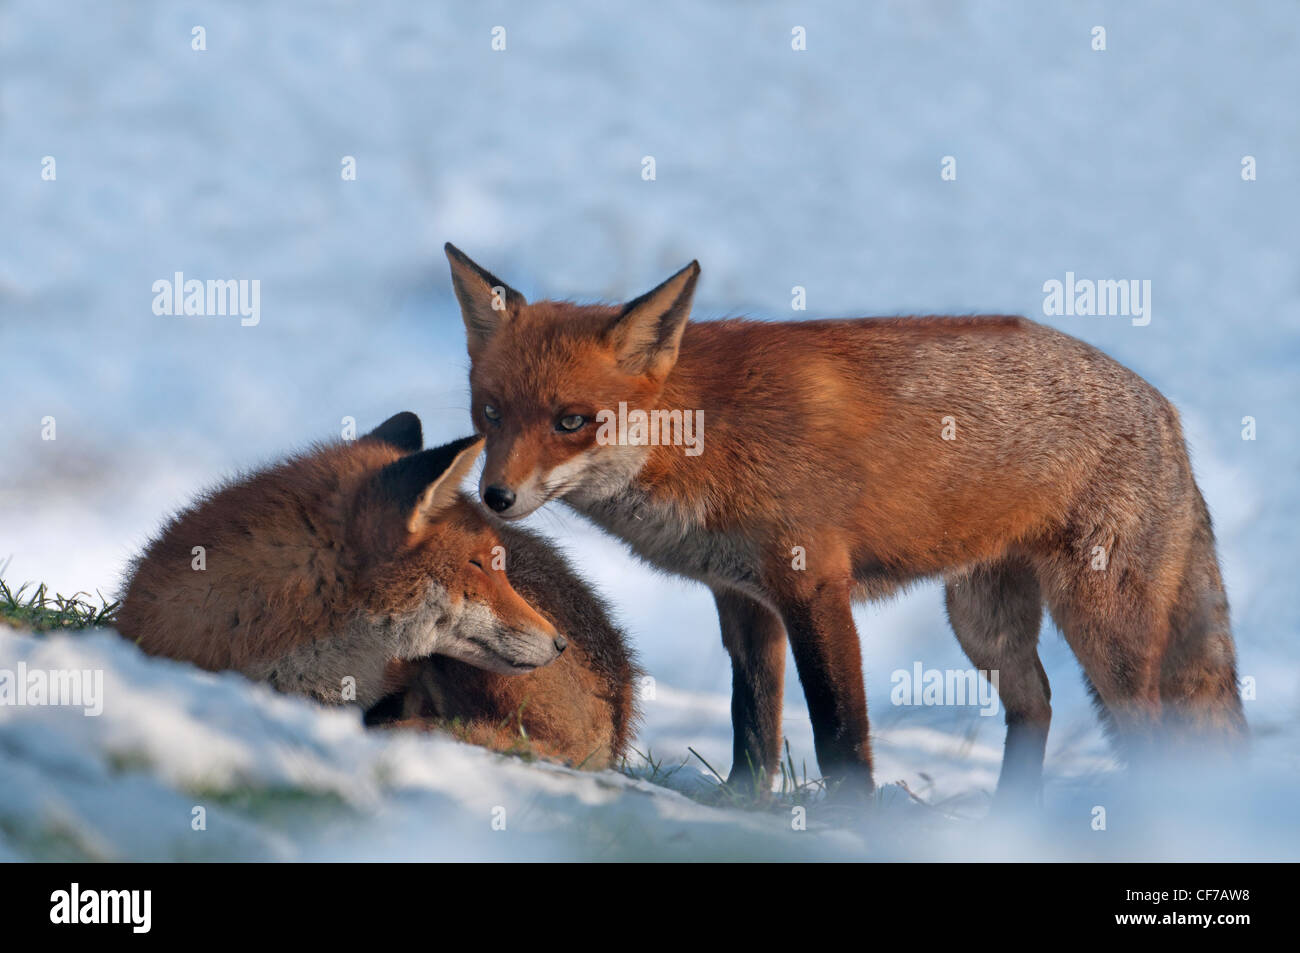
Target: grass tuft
[(796, 788), (36, 608)]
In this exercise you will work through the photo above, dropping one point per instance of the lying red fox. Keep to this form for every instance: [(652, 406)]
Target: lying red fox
[(358, 570)]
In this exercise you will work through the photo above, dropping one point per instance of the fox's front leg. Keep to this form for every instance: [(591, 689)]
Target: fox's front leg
[(755, 638), (818, 616)]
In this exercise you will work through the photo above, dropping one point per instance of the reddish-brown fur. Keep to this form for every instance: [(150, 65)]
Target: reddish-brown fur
[(313, 547), (581, 708), (829, 436), (290, 557)]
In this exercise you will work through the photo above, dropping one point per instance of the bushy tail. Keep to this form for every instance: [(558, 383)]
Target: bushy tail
[(1198, 679)]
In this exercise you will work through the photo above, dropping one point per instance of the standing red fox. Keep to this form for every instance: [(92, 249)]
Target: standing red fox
[(845, 459), (358, 570)]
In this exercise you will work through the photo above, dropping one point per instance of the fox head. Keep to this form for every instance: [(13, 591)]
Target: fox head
[(541, 373), (433, 565)]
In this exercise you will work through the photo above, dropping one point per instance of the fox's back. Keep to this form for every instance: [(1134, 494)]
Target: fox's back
[(933, 439), (994, 370), (256, 567)]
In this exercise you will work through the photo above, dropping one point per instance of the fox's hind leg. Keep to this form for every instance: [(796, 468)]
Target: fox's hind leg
[(996, 610), (1150, 628), (1116, 622), (755, 638)]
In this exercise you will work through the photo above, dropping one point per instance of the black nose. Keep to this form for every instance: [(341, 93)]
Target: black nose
[(561, 643), (499, 498)]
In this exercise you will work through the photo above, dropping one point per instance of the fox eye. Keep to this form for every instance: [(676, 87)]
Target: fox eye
[(570, 423), (491, 413), (476, 564)]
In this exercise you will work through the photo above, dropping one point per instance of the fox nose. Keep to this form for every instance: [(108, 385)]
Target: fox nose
[(561, 643), (499, 498)]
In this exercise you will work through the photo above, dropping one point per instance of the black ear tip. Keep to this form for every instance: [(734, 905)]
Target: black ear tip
[(405, 418), (402, 431), (453, 252), (456, 447)]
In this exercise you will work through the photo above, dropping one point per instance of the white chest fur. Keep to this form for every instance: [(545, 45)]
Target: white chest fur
[(673, 537)]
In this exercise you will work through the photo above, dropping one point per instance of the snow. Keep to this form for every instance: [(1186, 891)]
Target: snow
[(774, 169), (279, 778)]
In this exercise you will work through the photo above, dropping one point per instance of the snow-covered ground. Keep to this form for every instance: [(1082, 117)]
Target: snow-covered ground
[(186, 765), (774, 168)]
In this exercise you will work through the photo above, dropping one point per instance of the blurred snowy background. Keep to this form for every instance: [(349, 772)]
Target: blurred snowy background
[(775, 168)]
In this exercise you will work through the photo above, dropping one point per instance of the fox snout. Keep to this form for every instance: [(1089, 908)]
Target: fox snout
[(513, 501), (498, 498), (483, 639), (522, 650), (516, 482)]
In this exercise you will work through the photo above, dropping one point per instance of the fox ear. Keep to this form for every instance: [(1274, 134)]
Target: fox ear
[(402, 431), (648, 330), (425, 484), (486, 302)]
